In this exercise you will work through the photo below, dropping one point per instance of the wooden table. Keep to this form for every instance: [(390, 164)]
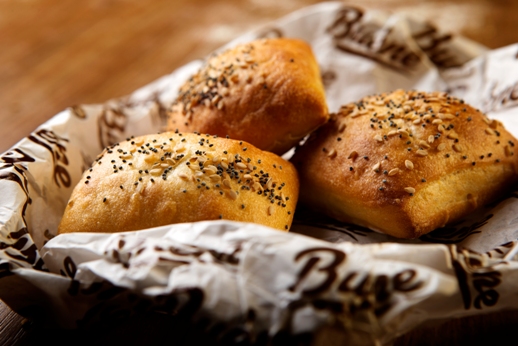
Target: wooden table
[(60, 53)]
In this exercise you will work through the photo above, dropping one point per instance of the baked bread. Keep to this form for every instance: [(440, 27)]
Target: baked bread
[(267, 92), (405, 163), (171, 177)]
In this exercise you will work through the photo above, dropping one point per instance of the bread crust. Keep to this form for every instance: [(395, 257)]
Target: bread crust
[(268, 92), (168, 178), (406, 163)]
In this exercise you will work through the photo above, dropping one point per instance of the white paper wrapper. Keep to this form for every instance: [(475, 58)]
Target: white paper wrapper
[(258, 283)]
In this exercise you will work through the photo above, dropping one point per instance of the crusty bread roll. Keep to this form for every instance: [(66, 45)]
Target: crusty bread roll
[(267, 92), (171, 177), (406, 163)]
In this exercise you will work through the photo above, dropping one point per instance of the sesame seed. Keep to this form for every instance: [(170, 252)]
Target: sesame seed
[(378, 138), (421, 152), (376, 167), (457, 148), (353, 155), (210, 169), (155, 171), (226, 183), (403, 133), (409, 164), (410, 190), (441, 147), (393, 172), (332, 153), (270, 210), (232, 194), (423, 144), (215, 177), (446, 116)]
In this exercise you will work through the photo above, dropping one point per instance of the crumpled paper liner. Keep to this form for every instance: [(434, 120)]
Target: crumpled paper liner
[(245, 281)]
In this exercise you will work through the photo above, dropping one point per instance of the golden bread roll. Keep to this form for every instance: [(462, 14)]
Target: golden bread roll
[(267, 92), (406, 163), (167, 178)]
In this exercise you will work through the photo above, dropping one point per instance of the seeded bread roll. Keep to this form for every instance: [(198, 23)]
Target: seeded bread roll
[(170, 178), (267, 92), (406, 163)]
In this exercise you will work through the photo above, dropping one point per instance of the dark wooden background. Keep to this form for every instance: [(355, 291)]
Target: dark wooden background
[(58, 53)]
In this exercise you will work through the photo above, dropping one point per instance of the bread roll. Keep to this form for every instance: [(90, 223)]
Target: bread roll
[(267, 92), (171, 177), (406, 163)]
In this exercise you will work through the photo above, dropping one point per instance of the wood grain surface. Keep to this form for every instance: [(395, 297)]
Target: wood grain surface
[(60, 53)]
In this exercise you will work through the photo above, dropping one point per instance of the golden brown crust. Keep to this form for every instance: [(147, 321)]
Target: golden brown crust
[(170, 178), (406, 163), (267, 92)]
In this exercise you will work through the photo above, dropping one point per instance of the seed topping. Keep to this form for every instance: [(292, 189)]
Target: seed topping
[(420, 125), (410, 190), (393, 172), (229, 174)]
